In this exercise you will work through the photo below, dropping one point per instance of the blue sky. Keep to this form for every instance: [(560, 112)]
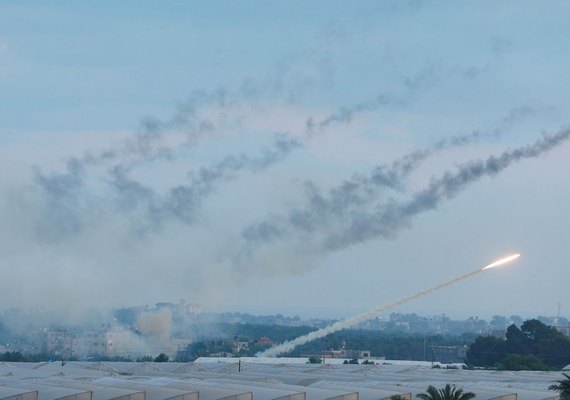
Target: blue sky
[(144, 142)]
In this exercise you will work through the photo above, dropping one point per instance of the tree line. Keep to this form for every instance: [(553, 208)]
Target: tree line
[(533, 346), (394, 346)]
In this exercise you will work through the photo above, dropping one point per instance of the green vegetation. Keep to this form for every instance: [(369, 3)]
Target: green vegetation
[(533, 346), (203, 349), (523, 362), (17, 356), (277, 333), (563, 387), (161, 358), (12, 356), (446, 393), (315, 360), (394, 346)]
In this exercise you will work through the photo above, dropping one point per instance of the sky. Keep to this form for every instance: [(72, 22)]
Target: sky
[(312, 158)]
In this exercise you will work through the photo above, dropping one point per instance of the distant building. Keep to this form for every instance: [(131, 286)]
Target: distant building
[(265, 341), (239, 345), (93, 342), (109, 341), (58, 342)]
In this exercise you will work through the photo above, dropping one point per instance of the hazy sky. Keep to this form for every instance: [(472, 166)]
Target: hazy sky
[(318, 158)]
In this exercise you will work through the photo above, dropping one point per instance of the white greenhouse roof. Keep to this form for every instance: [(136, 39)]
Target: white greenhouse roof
[(259, 379)]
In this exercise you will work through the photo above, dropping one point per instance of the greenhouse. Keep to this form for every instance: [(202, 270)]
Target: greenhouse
[(259, 379)]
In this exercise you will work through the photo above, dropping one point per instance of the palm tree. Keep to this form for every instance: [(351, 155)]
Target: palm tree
[(447, 393), (563, 387)]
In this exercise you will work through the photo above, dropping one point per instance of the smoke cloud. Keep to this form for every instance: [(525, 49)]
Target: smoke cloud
[(155, 328)]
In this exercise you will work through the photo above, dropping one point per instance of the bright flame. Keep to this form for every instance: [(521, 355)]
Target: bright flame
[(501, 261)]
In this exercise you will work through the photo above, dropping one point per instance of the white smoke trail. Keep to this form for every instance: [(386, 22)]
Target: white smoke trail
[(348, 322)]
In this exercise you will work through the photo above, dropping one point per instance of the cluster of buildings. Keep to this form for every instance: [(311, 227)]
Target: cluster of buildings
[(134, 332), (108, 341)]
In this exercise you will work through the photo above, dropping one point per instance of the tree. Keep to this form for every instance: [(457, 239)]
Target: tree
[(523, 362), (563, 387), (161, 358), (197, 349), (517, 341), (546, 343), (486, 351), (315, 360), (12, 356), (447, 393), (533, 346)]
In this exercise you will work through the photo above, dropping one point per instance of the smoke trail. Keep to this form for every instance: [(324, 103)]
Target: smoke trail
[(411, 84), (346, 114), (184, 199), (150, 142), (284, 82), (64, 189), (320, 228), (183, 202), (386, 222), (348, 322), (63, 202), (353, 195)]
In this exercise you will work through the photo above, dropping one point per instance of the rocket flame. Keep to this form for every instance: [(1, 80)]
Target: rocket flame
[(501, 261)]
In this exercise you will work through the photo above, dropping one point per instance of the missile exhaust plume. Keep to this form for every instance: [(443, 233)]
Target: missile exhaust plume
[(348, 322), (501, 261)]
